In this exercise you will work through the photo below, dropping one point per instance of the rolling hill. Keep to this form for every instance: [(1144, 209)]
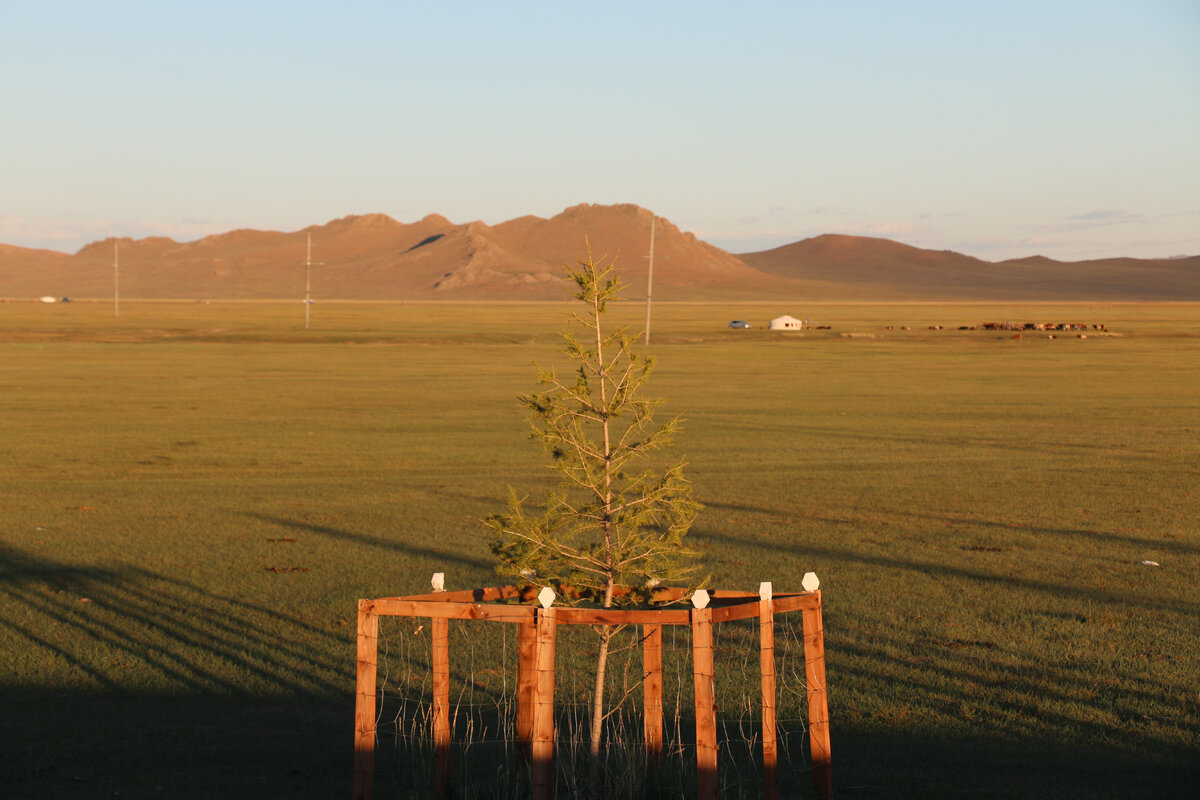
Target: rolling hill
[(865, 268), (374, 257)]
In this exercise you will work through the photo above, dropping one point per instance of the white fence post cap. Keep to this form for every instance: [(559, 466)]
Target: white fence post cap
[(438, 581), (546, 597), (700, 598), (811, 582)]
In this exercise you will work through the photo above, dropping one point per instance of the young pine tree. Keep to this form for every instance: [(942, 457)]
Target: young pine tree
[(610, 521)]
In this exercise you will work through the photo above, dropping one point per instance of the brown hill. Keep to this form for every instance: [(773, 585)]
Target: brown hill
[(865, 268), (25, 272), (375, 257)]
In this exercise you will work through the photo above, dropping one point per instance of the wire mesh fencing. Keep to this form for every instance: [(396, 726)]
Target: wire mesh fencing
[(488, 759)]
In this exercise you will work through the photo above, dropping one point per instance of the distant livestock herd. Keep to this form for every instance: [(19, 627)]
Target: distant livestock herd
[(1021, 326), (1042, 326)]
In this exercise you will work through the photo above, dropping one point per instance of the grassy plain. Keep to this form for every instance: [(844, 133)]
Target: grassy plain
[(193, 497)]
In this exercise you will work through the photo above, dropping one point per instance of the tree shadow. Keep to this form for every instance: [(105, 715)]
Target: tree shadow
[(872, 763), (124, 681), (1178, 546), (372, 540), (1033, 728), (169, 631), (1007, 582), (80, 744)]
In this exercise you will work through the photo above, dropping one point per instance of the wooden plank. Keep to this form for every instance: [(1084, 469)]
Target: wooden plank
[(364, 703), (526, 683), (719, 598), (652, 691), (729, 613), (440, 630), (794, 602), (818, 704), (706, 704), (744, 609), (747, 607), (542, 745), (766, 642), (619, 616), (399, 607)]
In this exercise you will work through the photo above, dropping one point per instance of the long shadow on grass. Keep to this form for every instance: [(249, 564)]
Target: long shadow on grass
[(373, 541), (123, 681), (1026, 447), (82, 745), (123, 626), (1102, 537), (870, 763), (1001, 582), (1007, 581), (1032, 721)]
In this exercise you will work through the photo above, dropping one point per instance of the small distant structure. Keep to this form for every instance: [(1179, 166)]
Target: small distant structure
[(49, 299), (786, 323)]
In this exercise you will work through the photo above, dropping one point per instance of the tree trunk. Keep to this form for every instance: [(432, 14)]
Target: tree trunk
[(595, 762)]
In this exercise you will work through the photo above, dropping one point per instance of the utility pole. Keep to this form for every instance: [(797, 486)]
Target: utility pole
[(649, 280), (116, 280), (308, 265)]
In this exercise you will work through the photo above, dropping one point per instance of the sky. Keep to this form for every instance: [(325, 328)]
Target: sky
[(997, 129)]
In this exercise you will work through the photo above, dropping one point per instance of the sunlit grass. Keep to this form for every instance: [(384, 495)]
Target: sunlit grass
[(193, 497)]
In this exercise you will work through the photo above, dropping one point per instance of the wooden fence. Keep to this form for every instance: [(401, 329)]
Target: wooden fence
[(536, 636)]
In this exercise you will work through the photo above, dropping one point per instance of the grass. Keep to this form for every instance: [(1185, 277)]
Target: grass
[(192, 498)]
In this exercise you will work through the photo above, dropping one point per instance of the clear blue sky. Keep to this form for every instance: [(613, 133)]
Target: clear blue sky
[(999, 129)]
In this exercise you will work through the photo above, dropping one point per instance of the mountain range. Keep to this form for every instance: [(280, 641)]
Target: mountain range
[(374, 257)]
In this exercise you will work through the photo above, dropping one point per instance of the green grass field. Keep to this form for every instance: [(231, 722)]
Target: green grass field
[(193, 497)]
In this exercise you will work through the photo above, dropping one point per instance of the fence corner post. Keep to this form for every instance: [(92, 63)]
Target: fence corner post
[(705, 694), (766, 644), (439, 629), (364, 704), (818, 702), (542, 744)]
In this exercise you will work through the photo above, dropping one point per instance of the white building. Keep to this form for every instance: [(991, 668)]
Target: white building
[(786, 323)]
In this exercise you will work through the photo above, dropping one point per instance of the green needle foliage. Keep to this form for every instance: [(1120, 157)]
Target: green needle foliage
[(610, 522)]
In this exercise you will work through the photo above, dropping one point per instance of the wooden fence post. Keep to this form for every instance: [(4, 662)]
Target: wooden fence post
[(766, 637), (818, 703), (364, 704), (706, 703), (440, 662), (652, 691), (542, 745), (526, 684)]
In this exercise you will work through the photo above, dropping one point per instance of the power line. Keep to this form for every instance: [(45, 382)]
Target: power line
[(650, 280), (308, 265)]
